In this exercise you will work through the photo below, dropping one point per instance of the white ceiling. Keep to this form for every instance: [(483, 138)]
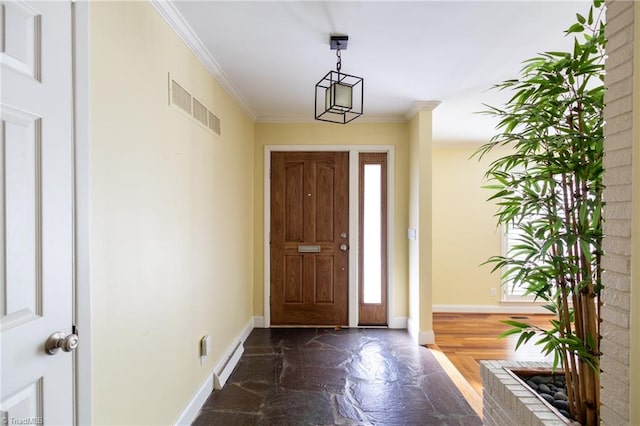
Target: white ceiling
[(272, 53)]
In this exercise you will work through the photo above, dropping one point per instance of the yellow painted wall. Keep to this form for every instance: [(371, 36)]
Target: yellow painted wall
[(171, 220), (394, 134), (464, 228)]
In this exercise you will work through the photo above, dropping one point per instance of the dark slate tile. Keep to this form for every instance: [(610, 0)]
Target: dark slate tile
[(234, 398), (257, 368), (260, 350), (298, 408), (390, 398), (346, 339), (322, 356), (348, 411), (469, 420), (443, 395), (394, 418), (264, 337), (291, 338), (258, 388), (313, 378), (343, 377), (374, 362), (221, 418)]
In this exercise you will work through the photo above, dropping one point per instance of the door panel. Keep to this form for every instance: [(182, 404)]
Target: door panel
[(324, 279), (36, 210), (294, 174), (309, 212), (293, 279), (325, 196)]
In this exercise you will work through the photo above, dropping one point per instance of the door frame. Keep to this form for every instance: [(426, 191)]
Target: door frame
[(354, 151), (82, 300)]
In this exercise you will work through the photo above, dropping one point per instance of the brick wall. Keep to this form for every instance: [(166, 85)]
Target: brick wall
[(506, 402), (616, 296)]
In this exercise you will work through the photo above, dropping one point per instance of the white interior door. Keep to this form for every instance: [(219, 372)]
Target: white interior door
[(36, 214)]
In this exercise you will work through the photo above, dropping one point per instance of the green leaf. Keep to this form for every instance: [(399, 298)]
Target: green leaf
[(586, 251), (580, 18), (510, 332), (515, 324), (524, 338), (575, 28)]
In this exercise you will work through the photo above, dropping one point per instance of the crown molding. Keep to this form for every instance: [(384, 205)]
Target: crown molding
[(176, 21), (420, 106), (304, 119)]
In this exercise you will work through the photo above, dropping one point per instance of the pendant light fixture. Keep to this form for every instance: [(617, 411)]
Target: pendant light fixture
[(339, 96)]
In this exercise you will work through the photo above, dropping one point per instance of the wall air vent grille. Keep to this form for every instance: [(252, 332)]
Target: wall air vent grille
[(186, 102), (200, 112), (180, 97), (214, 123)]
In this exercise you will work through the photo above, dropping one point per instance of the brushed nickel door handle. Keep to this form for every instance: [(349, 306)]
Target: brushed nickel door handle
[(59, 340)]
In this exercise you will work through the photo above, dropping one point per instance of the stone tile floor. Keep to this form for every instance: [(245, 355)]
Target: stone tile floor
[(336, 377)]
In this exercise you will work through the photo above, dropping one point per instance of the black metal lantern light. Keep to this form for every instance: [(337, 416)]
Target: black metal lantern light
[(339, 96)]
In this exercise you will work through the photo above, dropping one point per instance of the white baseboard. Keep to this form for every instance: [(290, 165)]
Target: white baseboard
[(426, 337), (224, 368), (190, 413), (217, 377), (413, 329), (398, 322), (488, 309), (421, 337), (246, 331), (258, 322)]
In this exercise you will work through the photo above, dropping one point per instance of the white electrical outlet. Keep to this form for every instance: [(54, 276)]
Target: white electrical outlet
[(492, 292), (205, 347)]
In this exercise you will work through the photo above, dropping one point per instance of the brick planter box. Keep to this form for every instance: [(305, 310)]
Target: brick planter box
[(508, 402)]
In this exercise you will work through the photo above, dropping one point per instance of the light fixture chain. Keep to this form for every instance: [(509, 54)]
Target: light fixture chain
[(339, 55)]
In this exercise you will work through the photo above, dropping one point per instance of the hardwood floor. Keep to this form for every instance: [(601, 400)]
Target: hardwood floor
[(465, 339)]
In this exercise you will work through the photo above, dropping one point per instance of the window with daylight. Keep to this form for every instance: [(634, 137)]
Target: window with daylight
[(372, 234), (511, 292)]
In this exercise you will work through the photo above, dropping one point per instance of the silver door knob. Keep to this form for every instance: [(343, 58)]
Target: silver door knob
[(344, 247), (59, 340)]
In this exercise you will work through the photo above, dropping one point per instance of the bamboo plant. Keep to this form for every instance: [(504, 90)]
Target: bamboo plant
[(549, 187)]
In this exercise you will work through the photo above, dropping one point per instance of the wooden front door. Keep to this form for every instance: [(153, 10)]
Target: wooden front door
[(309, 238)]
